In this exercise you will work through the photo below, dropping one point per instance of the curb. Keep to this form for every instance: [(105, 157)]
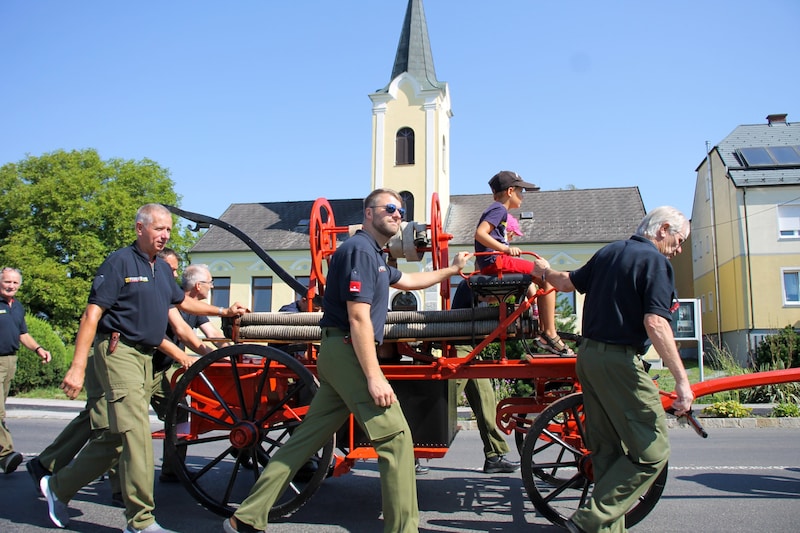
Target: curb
[(67, 409), (466, 420), (50, 409)]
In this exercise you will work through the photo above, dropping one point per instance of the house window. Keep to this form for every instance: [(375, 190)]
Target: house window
[(791, 287), (404, 147), (789, 221), (304, 280), (262, 294), (221, 293)]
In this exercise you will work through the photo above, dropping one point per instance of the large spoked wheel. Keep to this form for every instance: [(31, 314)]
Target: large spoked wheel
[(557, 467), (321, 228), (439, 247), (228, 415)]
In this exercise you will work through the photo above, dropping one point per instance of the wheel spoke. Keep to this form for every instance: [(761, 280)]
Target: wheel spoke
[(555, 445), (238, 416)]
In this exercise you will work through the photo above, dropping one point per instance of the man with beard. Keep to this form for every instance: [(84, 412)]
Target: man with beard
[(355, 305)]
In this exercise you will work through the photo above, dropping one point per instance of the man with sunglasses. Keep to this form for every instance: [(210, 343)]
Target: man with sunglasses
[(351, 381)]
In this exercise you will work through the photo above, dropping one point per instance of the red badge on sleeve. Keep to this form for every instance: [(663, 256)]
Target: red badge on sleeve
[(355, 286)]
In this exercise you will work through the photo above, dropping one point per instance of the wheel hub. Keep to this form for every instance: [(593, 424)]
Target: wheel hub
[(244, 435)]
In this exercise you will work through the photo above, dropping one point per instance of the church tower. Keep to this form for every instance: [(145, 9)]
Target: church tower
[(411, 123)]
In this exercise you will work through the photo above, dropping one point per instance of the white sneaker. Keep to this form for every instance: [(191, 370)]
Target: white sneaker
[(58, 510), (152, 528)]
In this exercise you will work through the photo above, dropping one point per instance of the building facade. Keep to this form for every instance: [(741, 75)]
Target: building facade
[(746, 235)]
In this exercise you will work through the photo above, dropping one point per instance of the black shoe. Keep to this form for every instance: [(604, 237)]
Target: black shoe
[(572, 527), (168, 477), (241, 527), (37, 471), (308, 470), (499, 465), (421, 470), (116, 500), (11, 461)]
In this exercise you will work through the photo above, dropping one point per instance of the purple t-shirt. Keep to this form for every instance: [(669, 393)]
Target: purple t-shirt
[(496, 215)]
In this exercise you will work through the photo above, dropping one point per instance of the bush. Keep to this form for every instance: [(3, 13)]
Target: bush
[(786, 410), (31, 373), (781, 350), (727, 409)]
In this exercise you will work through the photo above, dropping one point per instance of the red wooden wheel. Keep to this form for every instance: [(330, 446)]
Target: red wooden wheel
[(321, 230), (439, 243)]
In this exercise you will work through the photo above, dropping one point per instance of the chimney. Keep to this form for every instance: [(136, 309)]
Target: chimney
[(779, 118)]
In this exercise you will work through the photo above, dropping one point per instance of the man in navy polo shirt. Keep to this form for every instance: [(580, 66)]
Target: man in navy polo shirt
[(351, 381), (630, 290), (125, 319), (13, 331)]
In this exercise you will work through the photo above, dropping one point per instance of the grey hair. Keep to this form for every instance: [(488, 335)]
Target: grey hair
[(146, 213), (169, 252), (193, 274), (12, 269), (659, 216)]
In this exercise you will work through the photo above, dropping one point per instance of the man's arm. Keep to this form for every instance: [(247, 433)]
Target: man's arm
[(182, 358), (213, 332), (198, 307), (363, 338), (560, 280), (30, 343), (185, 334), (73, 380), (660, 334), (422, 280)]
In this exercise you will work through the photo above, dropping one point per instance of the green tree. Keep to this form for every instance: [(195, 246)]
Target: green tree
[(62, 213)]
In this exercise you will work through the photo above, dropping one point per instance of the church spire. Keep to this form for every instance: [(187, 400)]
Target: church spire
[(414, 50)]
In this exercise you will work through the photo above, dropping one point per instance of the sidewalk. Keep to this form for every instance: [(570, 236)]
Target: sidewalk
[(67, 409), (55, 409)]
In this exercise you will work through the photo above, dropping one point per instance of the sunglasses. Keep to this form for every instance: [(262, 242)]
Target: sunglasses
[(391, 208)]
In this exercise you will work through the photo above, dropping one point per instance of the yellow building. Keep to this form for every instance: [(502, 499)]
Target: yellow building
[(746, 234)]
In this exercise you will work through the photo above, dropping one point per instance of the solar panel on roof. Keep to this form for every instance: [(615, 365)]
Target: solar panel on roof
[(770, 156)]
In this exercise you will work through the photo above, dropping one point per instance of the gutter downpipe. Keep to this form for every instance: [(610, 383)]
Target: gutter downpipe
[(718, 311), (749, 272)]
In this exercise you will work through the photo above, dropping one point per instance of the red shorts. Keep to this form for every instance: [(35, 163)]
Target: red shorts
[(507, 264)]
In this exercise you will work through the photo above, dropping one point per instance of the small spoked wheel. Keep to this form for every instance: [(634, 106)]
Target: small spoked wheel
[(557, 467), (228, 415)]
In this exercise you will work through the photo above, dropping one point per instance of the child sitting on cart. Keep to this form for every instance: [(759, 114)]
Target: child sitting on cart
[(492, 235)]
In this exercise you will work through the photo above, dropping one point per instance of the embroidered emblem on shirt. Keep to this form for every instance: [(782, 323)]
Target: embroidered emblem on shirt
[(355, 286), (382, 268), (137, 279)]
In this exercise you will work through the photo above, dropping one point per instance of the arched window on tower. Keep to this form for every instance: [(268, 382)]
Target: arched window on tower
[(408, 203), (404, 147)]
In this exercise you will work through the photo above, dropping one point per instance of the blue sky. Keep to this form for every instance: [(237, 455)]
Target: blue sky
[(264, 101)]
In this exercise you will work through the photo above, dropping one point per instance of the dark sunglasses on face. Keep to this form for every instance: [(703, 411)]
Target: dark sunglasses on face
[(391, 208)]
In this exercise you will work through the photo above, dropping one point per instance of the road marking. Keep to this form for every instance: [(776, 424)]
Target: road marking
[(673, 468)]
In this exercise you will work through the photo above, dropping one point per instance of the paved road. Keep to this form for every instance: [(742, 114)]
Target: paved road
[(743, 479)]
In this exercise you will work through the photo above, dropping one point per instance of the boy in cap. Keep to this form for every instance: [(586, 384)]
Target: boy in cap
[(491, 235)]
